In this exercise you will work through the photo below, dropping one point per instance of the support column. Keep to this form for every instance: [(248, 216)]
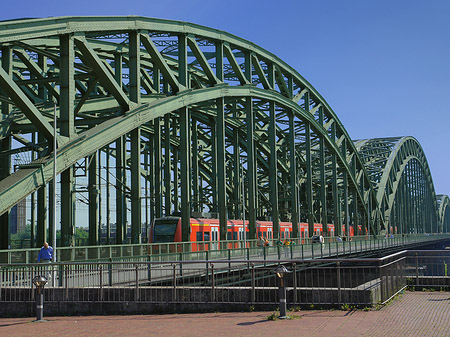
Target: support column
[(5, 145), (251, 168), (293, 176), (158, 166), (120, 190), (323, 189), (221, 169), (167, 166), (195, 171), (273, 170), (136, 217), (93, 200), (67, 128), (185, 174), (309, 188)]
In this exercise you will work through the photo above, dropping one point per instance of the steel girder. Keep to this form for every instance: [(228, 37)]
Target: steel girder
[(179, 109), (404, 187), (443, 202)]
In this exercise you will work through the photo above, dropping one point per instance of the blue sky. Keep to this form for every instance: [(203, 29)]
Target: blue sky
[(383, 66)]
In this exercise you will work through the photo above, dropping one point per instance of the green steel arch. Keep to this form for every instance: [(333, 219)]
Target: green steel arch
[(404, 187), (171, 117), (443, 202)]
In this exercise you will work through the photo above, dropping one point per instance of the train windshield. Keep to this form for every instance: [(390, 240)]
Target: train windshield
[(164, 230)]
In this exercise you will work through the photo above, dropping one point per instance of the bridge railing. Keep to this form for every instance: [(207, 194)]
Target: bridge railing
[(299, 248), (318, 282)]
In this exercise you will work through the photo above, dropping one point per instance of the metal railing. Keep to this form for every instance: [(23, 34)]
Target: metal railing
[(301, 248), (317, 282)]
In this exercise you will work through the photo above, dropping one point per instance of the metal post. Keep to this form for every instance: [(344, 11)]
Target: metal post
[(253, 284), (339, 282), (39, 305), (213, 291), (282, 297), (137, 283), (294, 270), (174, 290)]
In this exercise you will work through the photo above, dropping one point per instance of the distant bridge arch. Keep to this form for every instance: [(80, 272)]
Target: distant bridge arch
[(404, 187)]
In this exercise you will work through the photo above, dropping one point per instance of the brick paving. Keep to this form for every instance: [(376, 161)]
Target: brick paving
[(412, 314)]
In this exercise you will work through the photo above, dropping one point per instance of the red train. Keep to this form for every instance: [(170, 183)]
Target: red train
[(202, 231)]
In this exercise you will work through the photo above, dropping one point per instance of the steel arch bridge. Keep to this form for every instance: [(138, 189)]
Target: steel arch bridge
[(156, 117)]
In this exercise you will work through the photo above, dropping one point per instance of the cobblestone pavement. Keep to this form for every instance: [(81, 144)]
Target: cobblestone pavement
[(412, 314)]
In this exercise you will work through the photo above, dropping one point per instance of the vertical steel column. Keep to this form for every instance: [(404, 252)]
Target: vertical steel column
[(120, 189), (195, 169), (67, 128), (135, 96), (42, 216), (175, 169), (237, 190), (167, 166), (219, 60), (273, 170), (99, 189), (323, 190), (293, 175), (185, 174), (214, 170), (221, 168), (136, 209), (93, 199), (5, 145), (309, 187), (157, 166), (251, 167), (185, 143), (334, 186), (345, 186), (108, 196)]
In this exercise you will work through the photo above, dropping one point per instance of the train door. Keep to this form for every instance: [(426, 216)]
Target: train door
[(269, 233), (286, 233), (214, 238)]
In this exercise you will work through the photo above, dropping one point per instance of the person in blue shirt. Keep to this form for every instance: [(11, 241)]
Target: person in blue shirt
[(45, 254)]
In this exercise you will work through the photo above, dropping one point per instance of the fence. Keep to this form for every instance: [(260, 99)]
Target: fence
[(222, 284), (300, 249)]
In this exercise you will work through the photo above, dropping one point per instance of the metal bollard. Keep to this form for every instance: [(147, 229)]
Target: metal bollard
[(39, 282)]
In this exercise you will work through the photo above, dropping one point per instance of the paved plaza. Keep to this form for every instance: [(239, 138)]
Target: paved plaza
[(411, 314)]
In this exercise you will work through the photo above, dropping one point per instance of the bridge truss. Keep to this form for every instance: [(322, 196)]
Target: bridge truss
[(157, 117)]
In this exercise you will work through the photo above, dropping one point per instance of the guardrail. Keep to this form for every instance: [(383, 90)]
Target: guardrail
[(300, 248), (316, 282)]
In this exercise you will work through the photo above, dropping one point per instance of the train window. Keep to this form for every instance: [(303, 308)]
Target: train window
[(282, 235), (270, 235), (206, 236), (164, 230), (234, 235), (199, 236), (229, 236), (264, 235), (259, 234)]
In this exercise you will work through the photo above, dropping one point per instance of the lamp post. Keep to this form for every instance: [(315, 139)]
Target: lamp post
[(39, 282), (281, 272)]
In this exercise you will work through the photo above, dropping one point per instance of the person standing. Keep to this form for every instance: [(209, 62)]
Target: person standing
[(45, 254)]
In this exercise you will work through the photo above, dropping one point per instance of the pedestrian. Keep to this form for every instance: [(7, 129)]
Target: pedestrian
[(45, 254), (286, 244), (261, 244)]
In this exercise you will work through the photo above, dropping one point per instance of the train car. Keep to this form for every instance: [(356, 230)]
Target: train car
[(204, 233)]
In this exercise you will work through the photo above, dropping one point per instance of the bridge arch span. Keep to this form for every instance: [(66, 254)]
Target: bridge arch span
[(404, 187)]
